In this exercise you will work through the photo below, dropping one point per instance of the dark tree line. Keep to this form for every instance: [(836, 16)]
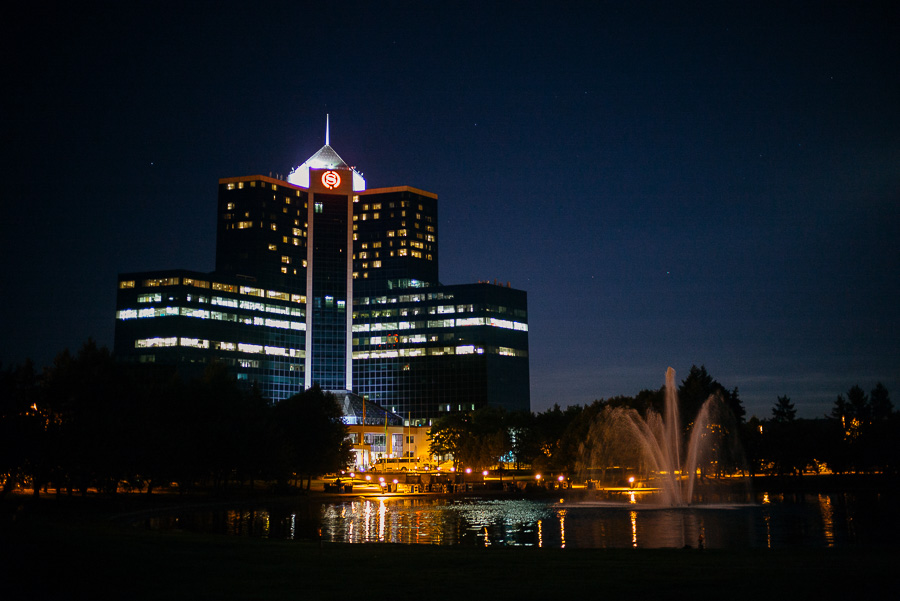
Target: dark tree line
[(88, 421), (570, 440), (861, 434)]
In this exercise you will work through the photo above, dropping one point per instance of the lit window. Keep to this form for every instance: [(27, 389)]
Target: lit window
[(273, 247)]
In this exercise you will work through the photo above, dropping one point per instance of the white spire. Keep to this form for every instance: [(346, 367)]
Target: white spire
[(327, 143)]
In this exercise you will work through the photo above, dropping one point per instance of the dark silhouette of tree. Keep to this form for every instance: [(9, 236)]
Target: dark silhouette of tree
[(24, 423), (490, 440), (550, 426), (783, 444), (520, 425), (859, 440), (753, 443), (858, 402), (477, 439), (312, 437), (784, 410), (880, 403), (449, 436), (698, 387)]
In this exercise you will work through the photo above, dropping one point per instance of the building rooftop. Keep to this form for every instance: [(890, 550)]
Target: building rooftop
[(358, 410)]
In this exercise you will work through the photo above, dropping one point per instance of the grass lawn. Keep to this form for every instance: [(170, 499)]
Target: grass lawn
[(47, 553)]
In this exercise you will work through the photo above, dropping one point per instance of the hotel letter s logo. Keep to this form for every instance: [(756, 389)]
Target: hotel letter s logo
[(330, 179)]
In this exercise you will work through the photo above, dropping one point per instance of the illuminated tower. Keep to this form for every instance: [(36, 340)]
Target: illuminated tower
[(330, 184)]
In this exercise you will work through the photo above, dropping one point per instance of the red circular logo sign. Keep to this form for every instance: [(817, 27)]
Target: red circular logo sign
[(330, 179)]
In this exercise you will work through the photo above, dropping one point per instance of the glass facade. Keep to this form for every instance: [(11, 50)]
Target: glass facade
[(189, 319), (262, 231), (333, 284), (329, 292), (448, 348)]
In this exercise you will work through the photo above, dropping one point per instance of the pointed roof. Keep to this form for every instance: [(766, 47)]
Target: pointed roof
[(326, 158)]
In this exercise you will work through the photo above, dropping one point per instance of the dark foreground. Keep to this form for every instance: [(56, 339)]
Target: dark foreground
[(72, 549)]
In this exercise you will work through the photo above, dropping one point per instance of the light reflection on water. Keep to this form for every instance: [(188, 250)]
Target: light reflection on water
[(772, 521)]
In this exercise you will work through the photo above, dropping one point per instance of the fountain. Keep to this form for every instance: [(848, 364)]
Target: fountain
[(655, 442)]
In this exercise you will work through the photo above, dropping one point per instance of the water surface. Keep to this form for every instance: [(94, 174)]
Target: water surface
[(766, 521)]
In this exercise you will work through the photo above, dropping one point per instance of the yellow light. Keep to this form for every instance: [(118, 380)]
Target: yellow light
[(537, 476)]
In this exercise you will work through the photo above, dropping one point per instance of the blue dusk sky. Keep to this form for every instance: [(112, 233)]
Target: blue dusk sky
[(673, 183)]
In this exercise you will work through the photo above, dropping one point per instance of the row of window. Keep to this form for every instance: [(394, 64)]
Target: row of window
[(466, 349), (246, 290), (151, 312), (156, 297), (252, 184), (418, 297), (441, 323), (200, 343), (461, 349)]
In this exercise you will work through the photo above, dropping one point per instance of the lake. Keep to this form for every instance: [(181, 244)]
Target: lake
[(761, 520)]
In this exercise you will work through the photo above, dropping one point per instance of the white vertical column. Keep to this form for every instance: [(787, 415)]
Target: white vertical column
[(349, 350), (310, 232)]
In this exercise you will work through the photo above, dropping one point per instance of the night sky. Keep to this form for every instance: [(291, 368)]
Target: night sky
[(672, 183)]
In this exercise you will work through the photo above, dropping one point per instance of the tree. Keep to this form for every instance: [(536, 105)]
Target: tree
[(490, 439), (858, 401), (449, 436), (312, 437), (783, 411), (698, 387), (880, 403), (520, 425), (23, 425)]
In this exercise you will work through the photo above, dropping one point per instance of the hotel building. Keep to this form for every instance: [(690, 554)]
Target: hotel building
[(320, 280)]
